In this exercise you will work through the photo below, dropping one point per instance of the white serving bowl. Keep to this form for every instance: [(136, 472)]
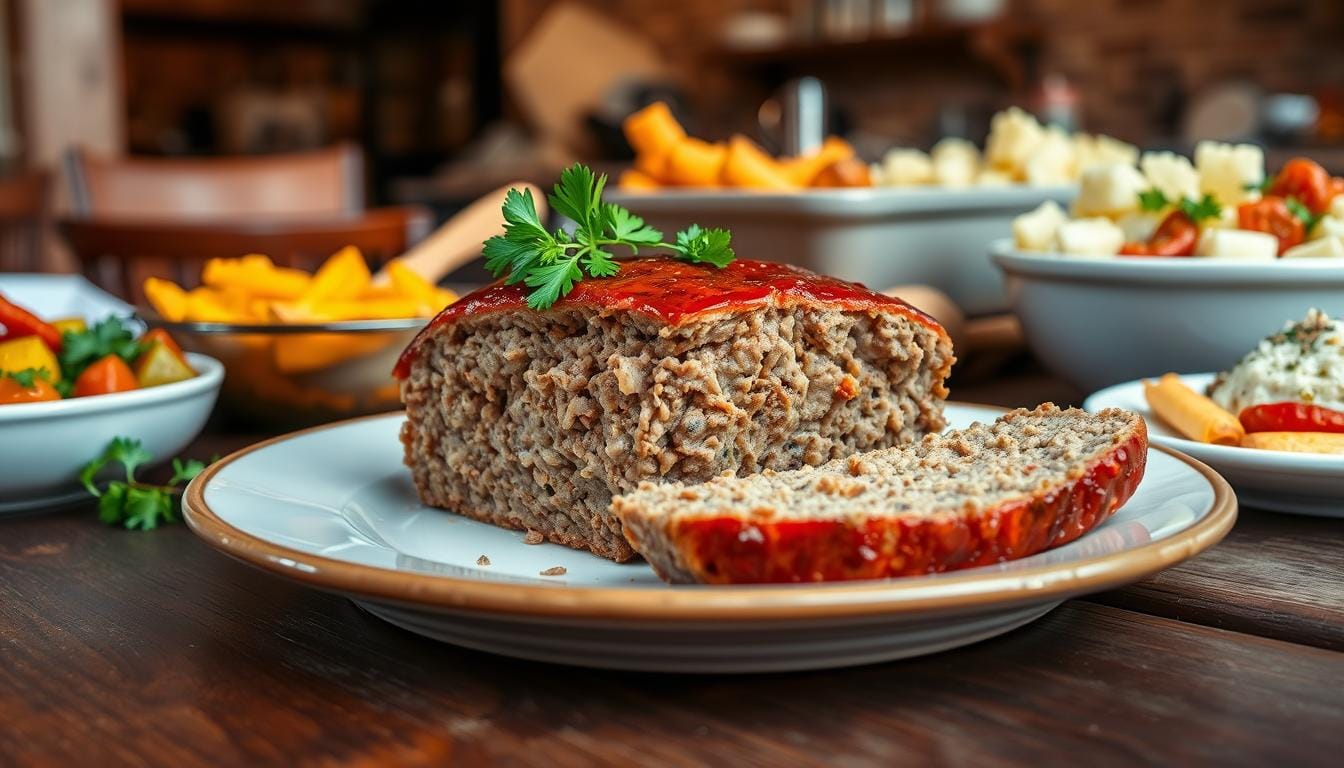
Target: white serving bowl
[(880, 237), (46, 444), (1098, 322)]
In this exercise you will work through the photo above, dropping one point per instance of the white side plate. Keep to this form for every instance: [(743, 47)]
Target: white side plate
[(1303, 483)]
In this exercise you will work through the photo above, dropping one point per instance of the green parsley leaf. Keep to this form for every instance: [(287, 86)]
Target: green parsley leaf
[(1302, 212), (550, 263), (1206, 208), (80, 349), (708, 246), (1153, 200), (28, 377), (133, 504)]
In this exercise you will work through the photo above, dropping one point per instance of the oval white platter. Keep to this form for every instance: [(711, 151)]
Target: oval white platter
[(1302, 483), (334, 508)]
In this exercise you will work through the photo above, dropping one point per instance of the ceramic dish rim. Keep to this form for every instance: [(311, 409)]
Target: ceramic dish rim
[(949, 593), (209, 376), (1167, 271)]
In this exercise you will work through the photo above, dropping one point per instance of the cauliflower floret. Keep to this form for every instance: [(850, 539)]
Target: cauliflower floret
[(1171, 174)]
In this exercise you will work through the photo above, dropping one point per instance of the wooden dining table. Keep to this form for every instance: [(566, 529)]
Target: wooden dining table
[(130, 648)]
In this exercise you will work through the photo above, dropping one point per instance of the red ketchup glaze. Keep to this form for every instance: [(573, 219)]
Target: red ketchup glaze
[(734, 551), (675, 292)]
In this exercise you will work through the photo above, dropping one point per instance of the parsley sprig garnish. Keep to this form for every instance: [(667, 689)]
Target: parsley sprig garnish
[(28, 377), (550, 263), (80, 349), (129, 502), (1205, 208)]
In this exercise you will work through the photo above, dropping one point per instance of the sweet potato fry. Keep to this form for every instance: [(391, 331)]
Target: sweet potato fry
[(747, 165), (803, 169), (653, 130), (1190, 413), (695, 163), (636, 181)]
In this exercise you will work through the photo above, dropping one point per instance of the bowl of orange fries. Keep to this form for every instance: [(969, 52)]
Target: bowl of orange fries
[(821, 210), (299, 348)]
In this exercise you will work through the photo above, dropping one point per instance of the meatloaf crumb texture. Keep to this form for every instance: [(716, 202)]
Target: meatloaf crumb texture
[(533, 420), (991, 492)]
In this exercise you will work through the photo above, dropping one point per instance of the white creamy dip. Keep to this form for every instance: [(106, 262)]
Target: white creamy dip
[(1303, 363)]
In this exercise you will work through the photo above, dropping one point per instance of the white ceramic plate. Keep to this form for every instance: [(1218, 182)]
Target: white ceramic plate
[(1305, 483), (1098, 322), (334, 508), (46, 444), (880, 237)]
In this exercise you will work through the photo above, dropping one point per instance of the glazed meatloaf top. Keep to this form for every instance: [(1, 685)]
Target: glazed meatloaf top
[(673, 293)]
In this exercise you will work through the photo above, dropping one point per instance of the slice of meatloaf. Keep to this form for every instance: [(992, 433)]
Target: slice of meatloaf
[(1030, 481), (668, 371)]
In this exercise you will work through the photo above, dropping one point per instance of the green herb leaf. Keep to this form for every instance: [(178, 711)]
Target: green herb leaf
[(28, 377), (1302, 212), (130, 503), (709, 246), (80, 349), (1205, 208), (1263, 186), (1153, 200), (550, 263)]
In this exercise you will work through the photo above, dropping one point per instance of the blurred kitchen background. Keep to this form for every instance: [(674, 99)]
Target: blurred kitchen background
[(439, 102)]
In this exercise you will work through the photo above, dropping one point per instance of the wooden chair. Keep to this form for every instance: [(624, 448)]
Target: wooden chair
[(120, 254), (23, 222), (326, 182)]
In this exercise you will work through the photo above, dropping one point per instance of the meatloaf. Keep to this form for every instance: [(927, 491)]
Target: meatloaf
[(668, 371), (1030, 481)]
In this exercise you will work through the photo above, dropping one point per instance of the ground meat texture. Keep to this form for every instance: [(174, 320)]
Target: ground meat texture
[(534, 420), (985, 494)]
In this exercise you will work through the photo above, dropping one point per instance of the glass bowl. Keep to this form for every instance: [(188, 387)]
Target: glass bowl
[(289, 376)]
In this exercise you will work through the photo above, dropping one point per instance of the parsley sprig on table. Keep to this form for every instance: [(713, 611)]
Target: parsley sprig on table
[(131, 503), (1205, 208), (550, 263)]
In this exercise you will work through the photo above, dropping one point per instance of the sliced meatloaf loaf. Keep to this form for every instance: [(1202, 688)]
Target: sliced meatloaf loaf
[(1030, 481), (668, 371)]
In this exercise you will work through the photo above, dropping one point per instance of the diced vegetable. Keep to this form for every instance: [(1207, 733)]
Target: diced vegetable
[(1271, 215), (70, 325), (161, 365), (27, 386), (109, 374), (1177, 235), (28, 352), (17, 322)]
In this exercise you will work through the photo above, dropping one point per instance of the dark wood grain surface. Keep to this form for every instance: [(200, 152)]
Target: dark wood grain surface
[(152, 649)]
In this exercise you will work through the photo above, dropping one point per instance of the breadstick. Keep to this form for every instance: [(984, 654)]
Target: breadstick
[(1192, 414), (1298, 442)]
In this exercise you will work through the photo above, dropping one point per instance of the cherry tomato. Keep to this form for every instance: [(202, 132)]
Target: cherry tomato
[(1305, 180), (1291, 417), (18, 322), (11, 391), (1271, 214), (109, 374), (1175, 236)]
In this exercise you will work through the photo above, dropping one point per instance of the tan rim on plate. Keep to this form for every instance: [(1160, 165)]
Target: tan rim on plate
[(953, 592)]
